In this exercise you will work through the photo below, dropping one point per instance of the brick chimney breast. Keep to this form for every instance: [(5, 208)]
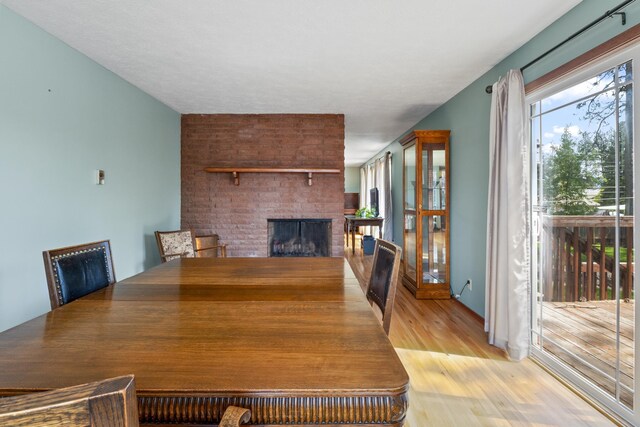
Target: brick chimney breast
[(238, 213)]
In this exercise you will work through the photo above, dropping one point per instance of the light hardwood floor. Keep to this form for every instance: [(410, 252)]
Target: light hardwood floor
[(457, 379)]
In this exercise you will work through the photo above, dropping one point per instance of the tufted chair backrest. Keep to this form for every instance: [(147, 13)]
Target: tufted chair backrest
[(76, 271)]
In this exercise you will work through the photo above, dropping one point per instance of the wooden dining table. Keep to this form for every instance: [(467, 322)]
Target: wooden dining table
[(292, 339)]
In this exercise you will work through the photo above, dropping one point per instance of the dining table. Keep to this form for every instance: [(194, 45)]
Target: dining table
[(292, 339)]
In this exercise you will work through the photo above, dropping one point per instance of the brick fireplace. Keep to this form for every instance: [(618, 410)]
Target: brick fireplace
[(211, 202)]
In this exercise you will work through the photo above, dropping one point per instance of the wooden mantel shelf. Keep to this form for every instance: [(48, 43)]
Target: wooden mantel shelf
[(236, 172)]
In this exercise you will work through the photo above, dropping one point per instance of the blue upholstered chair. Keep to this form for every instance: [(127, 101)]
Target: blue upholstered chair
[(76, 271)]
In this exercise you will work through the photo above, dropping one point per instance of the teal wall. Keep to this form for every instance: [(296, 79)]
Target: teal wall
[(467, 115), (352, 179), (61, 117)]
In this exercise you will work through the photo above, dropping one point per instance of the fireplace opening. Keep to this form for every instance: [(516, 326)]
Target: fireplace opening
[(299, 237)]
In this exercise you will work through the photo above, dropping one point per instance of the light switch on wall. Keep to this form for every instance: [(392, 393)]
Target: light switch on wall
[(99, 177)]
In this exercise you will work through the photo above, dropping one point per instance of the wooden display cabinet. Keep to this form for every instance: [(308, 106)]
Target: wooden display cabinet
[(426, 213)]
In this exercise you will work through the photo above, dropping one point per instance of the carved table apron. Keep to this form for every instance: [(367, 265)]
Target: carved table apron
[(292, 339)]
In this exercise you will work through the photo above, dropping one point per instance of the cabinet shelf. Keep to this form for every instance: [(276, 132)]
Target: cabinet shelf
[(235, 172)]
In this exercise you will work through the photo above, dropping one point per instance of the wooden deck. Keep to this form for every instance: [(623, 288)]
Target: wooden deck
[(587, 330)]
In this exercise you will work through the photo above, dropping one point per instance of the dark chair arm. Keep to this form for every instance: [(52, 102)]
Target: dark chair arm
[(222, 246), (209, 247)]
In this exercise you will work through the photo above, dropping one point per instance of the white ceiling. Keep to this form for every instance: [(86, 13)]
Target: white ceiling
[(384, 64)]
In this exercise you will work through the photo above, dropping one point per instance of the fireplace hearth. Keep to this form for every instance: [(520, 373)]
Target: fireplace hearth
[(299, 237)]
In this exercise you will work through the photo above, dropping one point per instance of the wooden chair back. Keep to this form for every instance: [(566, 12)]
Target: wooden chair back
[(75, 271), (351, 203), (109, 402), (185, 244), (209, 246), (175, 244), (383, 282)]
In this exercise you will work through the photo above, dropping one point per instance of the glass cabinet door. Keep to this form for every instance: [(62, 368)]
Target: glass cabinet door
[(434, 223), (433, 177), (410, 257), (410, 178), (434, 249), (410, 246)]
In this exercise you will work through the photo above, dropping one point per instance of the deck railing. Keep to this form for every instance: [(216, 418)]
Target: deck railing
[(579, 263)]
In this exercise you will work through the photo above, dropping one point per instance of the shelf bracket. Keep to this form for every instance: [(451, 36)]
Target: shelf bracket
[(236, 178), (310, 179)]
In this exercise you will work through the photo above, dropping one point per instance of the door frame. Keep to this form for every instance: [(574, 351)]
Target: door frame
[(548, 361)]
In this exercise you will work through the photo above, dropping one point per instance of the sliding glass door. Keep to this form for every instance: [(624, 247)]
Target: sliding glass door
[(583, 300)]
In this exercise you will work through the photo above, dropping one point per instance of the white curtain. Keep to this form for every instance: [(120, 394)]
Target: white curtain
[(378, 175), (507, 309), (387, 233), (371, 180), (363, 188), (383, 182), (379, 184)]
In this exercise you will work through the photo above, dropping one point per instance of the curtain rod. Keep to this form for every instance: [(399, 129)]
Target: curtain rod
[(607, 14), (381, 157)]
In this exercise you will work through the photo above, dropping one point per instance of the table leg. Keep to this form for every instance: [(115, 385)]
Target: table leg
[(353, 238), (380, 231), (346, 230)]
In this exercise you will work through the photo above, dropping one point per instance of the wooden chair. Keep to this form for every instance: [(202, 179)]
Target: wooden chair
[(106, 403), (351, 203), (109, 402), (209, 246), (235, 416), (383, 282), (76, 271), (184, 244)]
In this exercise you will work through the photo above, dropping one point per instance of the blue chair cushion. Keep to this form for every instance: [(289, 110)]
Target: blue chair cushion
[(81, 273)]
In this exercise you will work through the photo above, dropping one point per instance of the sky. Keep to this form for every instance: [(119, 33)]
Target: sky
[(561, 110)]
